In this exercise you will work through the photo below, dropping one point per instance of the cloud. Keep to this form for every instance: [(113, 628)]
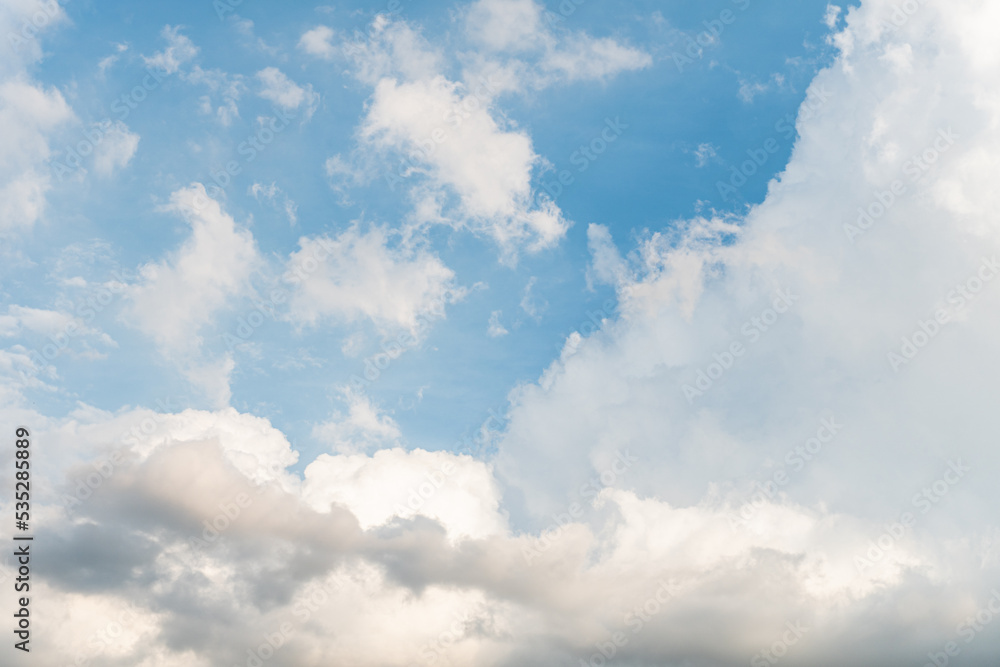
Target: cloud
[(704, 154), (270, 193), (734, 455), (362, 428), (31, 115), (179, 50), (462, 151), (285, 93), (115, 149), (533, 305), (522, 28), (318, 42), (458, 492), (175, 298), (60, 331), (495, 329), (356, 276), (230, 87)]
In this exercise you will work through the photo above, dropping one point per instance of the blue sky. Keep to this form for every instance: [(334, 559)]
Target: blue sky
[(644, 181), (505, 332)]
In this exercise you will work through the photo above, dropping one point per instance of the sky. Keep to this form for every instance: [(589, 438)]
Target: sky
[(502, 332)]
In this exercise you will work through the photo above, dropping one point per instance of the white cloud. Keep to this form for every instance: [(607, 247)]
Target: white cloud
[(637, 482), (179, 50), (31, 115), (520, 27), (583, 57), (284, 92), (356, 276), (175, 298), (363, 428), (487, 167), (318, 42), (459, 492), (115, 149)]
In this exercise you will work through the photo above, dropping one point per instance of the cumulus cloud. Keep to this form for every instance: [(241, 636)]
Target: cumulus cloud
[(781, 446), (522, 30), (176, 297), (31, 114), (492, 181), (362, 275), (318, 42)]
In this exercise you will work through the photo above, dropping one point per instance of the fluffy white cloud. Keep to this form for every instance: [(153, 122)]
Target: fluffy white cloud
[(31, 115), (318, 42), (455, 141), (176, 297), (831, 473), (458, 492), (357, 276), (522, 28)]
